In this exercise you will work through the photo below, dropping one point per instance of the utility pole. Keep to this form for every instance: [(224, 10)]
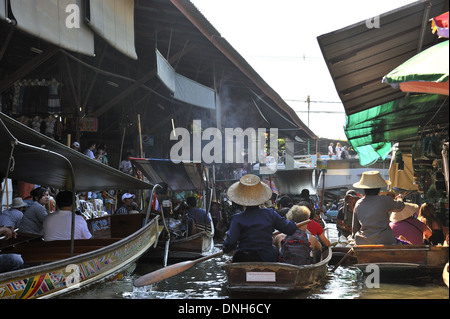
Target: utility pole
[(308, 100)]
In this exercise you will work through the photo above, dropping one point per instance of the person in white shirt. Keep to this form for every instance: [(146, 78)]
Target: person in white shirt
[(89, 152), (330, 150), (58, 226)]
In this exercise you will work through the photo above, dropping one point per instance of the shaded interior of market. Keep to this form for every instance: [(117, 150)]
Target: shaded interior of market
[(119, 96)]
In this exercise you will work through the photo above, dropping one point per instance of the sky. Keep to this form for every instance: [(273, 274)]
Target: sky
[(278, 38)]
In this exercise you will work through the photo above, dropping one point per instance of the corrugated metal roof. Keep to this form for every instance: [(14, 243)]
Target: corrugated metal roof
[(358, 56)]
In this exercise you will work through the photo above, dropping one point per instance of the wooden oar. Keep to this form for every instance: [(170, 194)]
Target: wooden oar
[(348, 254), (170, 271)]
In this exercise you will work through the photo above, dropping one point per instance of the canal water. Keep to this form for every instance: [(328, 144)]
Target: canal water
[(207, 280)]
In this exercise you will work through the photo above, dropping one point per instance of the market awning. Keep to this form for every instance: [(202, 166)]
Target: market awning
[(41, 160), (426, 72), (358, 56), (371, 132), (178, 176)]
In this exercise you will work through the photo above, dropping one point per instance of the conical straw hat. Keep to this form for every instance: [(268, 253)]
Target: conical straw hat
[(405, 213), (371, 179), (249, 191)]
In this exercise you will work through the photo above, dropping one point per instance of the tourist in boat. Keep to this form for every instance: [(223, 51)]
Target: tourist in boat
[(250, 232), (316, 229), (427, 215), (127, 207), (371, 214), (345, 214), (9, 262), (299, 247), (196, 216), (407, 228), (284, 204), (34, 215), (13, 216), (58, 226)]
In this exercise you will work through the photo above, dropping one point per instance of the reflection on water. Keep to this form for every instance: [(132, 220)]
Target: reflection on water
[(207, 280)]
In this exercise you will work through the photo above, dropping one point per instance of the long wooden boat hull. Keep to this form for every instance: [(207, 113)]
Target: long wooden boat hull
[(188, 248), (93, 260), (197, 243), (401, 258), (266, 277)]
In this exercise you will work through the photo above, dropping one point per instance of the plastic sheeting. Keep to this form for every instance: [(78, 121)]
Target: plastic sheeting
[(371, 132), (184, 89)]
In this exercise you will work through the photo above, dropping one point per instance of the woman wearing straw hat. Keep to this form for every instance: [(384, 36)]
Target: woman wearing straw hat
[(250, 232), (371, 213), (411, 229)]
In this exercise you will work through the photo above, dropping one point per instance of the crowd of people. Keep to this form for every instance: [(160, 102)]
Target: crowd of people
[(369, 218), (250, 235), (340, 151), (384, 218)]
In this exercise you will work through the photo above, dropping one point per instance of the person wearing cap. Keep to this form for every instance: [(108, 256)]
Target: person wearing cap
[(250, 232), (344, 217), (13, 216), (371, 214), (406, 227), (34, 215), (76, 146), (58, 226), (127, 208)]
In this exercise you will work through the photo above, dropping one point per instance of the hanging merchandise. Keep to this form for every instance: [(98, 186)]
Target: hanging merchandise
[(54, 106)]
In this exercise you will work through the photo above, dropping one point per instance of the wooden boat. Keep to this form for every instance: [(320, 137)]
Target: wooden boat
[(51, 271), (56, 267), (179, 177), (269, 277), (339, 253), (401, 259), (197, 243), (183, 248)]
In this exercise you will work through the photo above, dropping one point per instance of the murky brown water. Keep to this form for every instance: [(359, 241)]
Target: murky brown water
[(207, 280)]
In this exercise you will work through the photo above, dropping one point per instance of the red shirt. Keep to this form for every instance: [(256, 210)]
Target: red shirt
[(315, 228)]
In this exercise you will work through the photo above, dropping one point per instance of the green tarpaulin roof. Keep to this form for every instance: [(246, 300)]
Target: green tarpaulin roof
[(371, 132)]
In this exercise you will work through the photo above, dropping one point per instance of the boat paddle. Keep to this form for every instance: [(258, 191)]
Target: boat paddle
[(170, 271), (175, 269), (348, 254)]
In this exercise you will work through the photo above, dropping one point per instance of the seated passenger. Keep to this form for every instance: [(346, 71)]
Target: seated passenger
[(250, 232), (128, 207), (299, 247), (34, 215), (197, 217), (371, 213), (9, 262), (317, 230), (13, 216), (58, 226), (427, 215), (409, 228)]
